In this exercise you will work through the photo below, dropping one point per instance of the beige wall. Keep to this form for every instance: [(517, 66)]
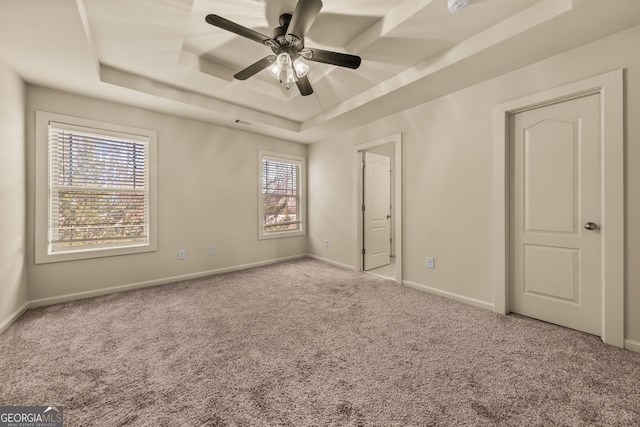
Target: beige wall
[(207, 196), (447, 176), (13, 278)]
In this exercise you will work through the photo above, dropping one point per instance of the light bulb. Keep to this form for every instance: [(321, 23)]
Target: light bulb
[(301, 67)]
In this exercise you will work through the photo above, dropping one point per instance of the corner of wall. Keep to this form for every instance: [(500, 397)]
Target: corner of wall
[(13, 286)]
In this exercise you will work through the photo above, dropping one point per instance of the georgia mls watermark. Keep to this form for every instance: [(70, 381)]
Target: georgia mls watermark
[(31, 416)]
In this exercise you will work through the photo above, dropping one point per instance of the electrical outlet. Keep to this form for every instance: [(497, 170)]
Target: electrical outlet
[(212, 250), (431, 262), (182, 254), (326, 243)]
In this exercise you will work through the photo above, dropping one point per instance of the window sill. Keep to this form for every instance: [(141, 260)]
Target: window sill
[(45, 258), (281, 234)]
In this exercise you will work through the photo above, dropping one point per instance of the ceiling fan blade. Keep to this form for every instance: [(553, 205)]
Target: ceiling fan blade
[(333, 58), (225, 24), (253, 69), (306, 12), (305, 86)]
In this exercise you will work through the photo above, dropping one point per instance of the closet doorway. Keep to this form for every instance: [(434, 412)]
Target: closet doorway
[(378, 208)]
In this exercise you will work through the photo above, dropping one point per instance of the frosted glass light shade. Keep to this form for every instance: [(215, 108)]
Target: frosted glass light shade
[(286, 70), (282, 61), (275, 70), (301, 67)]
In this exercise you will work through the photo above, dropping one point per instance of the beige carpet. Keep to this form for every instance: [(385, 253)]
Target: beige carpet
[(307, 344)]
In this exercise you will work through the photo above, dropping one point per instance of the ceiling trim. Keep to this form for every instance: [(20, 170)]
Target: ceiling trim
[(153, 87), (489, 38), (202, 65), (390, 21), (82, 12)]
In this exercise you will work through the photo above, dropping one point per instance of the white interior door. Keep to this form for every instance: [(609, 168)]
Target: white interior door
[(376, 210), (556, 197)]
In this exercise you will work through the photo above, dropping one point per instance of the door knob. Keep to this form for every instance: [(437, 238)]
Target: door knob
[(388, 216), (591, 226)]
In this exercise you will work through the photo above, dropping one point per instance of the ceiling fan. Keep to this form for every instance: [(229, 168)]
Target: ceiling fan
[(287, 44)]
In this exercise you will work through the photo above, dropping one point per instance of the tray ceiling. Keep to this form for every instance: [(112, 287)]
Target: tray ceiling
[(161, 54)]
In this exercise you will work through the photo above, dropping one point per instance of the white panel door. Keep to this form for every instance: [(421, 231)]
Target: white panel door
[(556, 197), (377, 210)]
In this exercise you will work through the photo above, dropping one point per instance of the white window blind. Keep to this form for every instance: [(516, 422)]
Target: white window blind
[(281, 195), (98, 189)]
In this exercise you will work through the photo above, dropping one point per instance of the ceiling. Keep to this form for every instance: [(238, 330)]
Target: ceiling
[(162, 55)]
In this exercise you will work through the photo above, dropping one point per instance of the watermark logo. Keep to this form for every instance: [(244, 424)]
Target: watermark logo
[(31, 416)]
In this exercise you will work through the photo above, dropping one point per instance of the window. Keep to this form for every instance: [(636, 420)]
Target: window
[(98, 197), (281, 202)]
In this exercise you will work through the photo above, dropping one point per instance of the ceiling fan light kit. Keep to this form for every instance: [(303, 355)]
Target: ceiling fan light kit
[(456, 6), (288, 71), (287, 64)]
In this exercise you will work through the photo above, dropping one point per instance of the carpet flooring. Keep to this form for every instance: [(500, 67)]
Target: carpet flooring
[(304, 343)]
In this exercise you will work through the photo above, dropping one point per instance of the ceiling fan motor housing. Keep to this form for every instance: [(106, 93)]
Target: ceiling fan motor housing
[(280, 32), (286, 43)]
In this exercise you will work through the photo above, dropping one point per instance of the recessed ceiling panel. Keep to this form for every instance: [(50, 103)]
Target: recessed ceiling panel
[(161, 54)]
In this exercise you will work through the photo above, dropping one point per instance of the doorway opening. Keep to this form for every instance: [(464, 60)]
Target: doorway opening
[(378, 207)]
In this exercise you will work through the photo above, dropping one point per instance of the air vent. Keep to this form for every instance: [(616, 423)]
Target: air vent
[(241, 122)]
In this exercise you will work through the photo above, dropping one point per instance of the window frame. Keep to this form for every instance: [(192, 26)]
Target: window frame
[(42, 196), (285, 158)]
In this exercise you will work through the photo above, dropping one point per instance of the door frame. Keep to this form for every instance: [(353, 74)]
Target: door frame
[(610, 87), (395, 139)]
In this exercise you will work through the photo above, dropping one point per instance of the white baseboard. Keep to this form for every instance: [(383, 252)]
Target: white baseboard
[(13, 317), (328, 261), (450, 295), (632, 345), (106, 291)]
